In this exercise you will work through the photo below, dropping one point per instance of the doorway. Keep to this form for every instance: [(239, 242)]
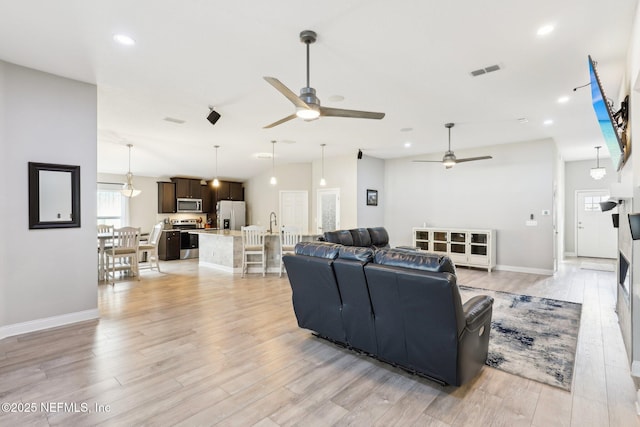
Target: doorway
[(328, 213), (595, 235)]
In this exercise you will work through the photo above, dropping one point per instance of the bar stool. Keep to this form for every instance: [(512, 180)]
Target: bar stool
[(289, 237), (253, 245)]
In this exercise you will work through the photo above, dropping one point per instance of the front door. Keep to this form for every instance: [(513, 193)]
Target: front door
[(595, 234)]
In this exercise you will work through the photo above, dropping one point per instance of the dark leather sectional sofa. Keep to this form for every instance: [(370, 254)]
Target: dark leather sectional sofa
[(376, 238), (401, 307)]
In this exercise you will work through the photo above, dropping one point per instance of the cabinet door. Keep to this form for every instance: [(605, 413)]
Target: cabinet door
[(169, 246), (183, 189), (166, 197), (206, 196), (194, 189), (236, 192), (223, 192)]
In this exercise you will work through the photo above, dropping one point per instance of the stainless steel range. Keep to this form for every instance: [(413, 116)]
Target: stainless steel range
[(188, 242)]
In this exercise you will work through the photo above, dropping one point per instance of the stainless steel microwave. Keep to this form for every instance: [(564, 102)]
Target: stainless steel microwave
[(189, 205)]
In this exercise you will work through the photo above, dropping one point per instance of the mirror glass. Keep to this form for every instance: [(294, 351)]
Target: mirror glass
[(54, 196)]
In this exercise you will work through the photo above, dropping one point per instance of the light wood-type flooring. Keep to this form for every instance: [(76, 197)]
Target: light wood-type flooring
[(195, 346)]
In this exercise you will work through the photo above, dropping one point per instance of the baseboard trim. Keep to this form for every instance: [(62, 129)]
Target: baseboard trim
[(48, 323), (528, 270)]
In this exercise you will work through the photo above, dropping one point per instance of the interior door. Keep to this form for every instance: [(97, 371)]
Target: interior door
[(595, 234), (294, 209), (328, 214)]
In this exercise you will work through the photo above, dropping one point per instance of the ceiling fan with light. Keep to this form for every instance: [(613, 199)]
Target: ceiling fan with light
[(449, 160), (307, 104)]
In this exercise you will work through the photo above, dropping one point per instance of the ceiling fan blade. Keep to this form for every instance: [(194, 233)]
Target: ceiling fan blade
[(279, 122), (338, 112), (291, 96), (473, 159), (427, 161)]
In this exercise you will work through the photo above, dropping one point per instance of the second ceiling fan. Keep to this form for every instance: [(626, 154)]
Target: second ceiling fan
[(307, 104), (449, 159)]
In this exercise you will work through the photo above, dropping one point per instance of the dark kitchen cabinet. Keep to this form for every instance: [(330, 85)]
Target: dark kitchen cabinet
[(229, 190), (166, 197), (187, 188), (206, 194), (169, 245)]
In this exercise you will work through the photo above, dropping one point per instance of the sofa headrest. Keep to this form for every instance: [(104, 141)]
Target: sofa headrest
[(355, 253), (415, 260), (342, 237), (360, 237), (318, 249), (379, 237)]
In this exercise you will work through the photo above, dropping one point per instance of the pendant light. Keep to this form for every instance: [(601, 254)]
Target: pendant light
[(598, 172), (323, 182), (216, 183), (127, 189), (273, 180)]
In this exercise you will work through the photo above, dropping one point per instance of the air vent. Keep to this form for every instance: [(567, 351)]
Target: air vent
[(481, 71), (172, 120)]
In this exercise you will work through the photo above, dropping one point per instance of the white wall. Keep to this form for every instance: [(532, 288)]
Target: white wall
[(577, 178), (263, 198), (370, 176), (500, 194), (48, 277)]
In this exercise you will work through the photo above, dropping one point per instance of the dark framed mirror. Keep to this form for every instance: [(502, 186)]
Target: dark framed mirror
[(54, 196)]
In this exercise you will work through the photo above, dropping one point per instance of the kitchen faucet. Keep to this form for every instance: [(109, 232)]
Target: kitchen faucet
[(272, 221)]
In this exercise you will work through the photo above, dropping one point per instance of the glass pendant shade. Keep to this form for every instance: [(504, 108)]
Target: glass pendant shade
[(597, 172), (127, 189), (216, 183)]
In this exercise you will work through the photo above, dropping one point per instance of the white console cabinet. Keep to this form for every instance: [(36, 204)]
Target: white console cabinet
[(471, 248)]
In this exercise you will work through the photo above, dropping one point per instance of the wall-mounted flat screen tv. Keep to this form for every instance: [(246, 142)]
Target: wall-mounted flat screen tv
[(605, 118), (634, 224)]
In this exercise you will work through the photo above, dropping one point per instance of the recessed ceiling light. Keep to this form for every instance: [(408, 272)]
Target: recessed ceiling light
[(124, 39), (406, 129), (407, 144), (563, 99), (547, 122), (545, 29)]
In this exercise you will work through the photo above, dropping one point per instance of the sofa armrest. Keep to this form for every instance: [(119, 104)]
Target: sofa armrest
[(476, 311)]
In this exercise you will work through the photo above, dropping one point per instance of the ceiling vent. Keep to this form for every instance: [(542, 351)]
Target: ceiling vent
[(481, 71), (173, 120)]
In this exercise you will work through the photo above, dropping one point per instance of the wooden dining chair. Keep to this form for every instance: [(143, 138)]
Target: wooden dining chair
[(105, 238), (123, 254), (151, 246), (289, 237), (253, 246)]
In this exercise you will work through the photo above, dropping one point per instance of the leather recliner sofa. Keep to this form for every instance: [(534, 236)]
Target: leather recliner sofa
[(376, 237), (398, 306)]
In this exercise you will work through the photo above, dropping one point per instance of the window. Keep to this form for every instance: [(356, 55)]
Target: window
[(112, 205), (592, 204)]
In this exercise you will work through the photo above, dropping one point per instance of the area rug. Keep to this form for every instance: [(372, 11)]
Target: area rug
[(532, 337), (585, 265)]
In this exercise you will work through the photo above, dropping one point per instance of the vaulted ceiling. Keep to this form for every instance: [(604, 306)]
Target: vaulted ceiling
[(410, 59)]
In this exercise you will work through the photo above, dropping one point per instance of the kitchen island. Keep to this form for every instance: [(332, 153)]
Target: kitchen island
[(222, 249)]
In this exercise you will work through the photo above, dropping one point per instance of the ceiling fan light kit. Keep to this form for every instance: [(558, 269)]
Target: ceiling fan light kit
[(307, 103), (598, 172)]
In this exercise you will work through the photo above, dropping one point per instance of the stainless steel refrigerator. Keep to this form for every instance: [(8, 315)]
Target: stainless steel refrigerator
[(231, 214)]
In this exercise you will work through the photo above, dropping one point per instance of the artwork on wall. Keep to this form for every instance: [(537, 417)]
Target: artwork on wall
[(372, 197)]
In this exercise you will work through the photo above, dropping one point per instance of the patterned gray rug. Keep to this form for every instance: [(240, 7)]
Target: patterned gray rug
[(532, 337)]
